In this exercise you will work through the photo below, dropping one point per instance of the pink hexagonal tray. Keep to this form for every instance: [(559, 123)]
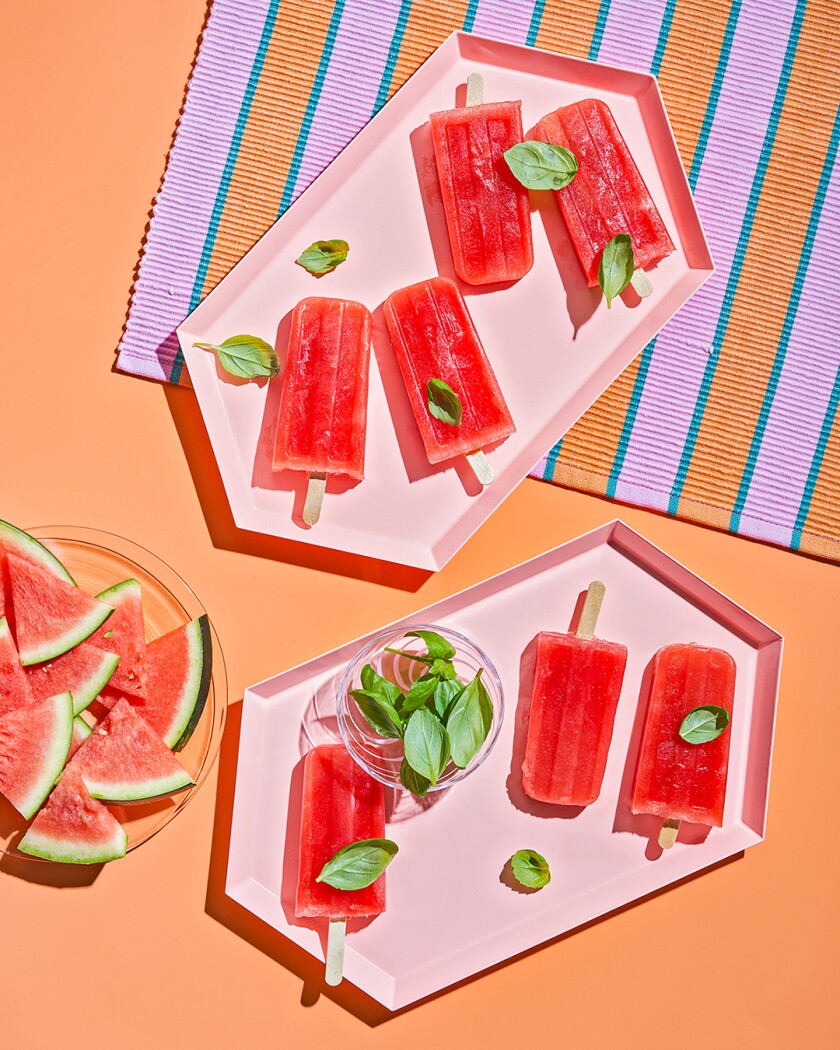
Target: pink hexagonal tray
[(450, 912), (553, 343)]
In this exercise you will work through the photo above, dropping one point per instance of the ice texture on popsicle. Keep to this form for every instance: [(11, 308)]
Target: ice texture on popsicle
[(434, 338), (577, 683), (341, 804), (488, 213), (322, 420), (608, 195), (675, 779)]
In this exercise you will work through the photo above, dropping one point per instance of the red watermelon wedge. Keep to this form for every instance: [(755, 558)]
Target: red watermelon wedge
[(51, 615), (34, 744), (83, 671), (73, 828), (14, 688), (16, 541), (124, 633)]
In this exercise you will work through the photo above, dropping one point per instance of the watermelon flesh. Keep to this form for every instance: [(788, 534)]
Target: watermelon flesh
[(124, 633), (74, 828), (81, 731), (83, 671), (34, 744), (14, 687), (51, 615), (16, 541)]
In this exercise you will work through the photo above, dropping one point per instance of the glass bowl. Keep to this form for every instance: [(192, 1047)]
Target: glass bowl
[(97, 560), (382, 758)]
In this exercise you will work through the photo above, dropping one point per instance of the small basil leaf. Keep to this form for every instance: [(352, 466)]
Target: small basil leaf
[(448, 689), (379, 713), (468, 722), (541, 166), (443, 403), (436, 645), (443, 669), (375, 683), (410, 656), (426, 745), (323, 256), (358, 865), (616, 267), (245, 356), (411, 779), (419, 693), (530, 869), (704, 724)]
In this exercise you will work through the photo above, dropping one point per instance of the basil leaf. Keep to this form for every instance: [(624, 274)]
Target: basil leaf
[(375, 683), (448, 689), (469, 722), (323, 256), (443, 669), (530, 869), (436, 645), (419, 693), (245, 356), (411, 779), (379, 712), (358, 865), (426, 745), (616, 266), (443, 403), (541, 166), (410, 656), (704, 724)]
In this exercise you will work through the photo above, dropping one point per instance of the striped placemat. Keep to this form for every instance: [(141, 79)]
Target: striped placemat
[(729, 416)]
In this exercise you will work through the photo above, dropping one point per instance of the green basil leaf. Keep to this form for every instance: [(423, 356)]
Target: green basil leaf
[(469, 722), (541, 166), (358, 865), (616, 267), (375, 683), (436, 645), (447, 691), (379, 712), (323, 256), (410, 656), (426, 744), (443, 403), (704, 724), (443, 669), (530, 869), (245, 356), (411, 779), (419, 693)]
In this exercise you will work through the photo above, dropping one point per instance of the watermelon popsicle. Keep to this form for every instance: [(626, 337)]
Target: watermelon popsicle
[(454, 393), (322, 421), (681, 773), (577, 683)]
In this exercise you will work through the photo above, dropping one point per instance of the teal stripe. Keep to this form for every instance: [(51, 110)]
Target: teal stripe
[(227, 173), (469, 17), (311, 106), (536, 20), (598, 32), (816, 465), (551, 461), (738, 261), (787, 327), (630, 418), (662, 39), (393, 55)]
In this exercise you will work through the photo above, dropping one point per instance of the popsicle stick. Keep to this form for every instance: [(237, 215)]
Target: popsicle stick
[(591, 609), (481, 468), (641, 284), (335, 952), (668, 833), (314, 498), (475, 89)]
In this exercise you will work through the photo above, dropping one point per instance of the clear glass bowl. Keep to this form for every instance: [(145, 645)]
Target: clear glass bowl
[(382, 758)]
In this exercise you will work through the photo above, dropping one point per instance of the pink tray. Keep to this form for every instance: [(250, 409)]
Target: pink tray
[(601, 859), (552, 341)]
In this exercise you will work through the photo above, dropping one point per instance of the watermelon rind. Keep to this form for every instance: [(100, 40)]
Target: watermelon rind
[(78, 840), (54, 758), (73, 851), (81, 729), (138, 790), (196, 685), (87, 692), (19, 542), (62, 643)]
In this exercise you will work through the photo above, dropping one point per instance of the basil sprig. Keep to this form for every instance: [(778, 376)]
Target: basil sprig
[(443, 403), (615, 269), (245, 356), (704, 724), (530, 869), (323, 256), (358, 865), (540, 165)]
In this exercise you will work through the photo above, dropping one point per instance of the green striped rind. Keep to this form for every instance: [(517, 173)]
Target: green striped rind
[(56, 758), (75, 851), (138, 790), (118, 590), (63, 643), (88, 691), (81, 727), (27, 546), (197, 685), (4, 627)]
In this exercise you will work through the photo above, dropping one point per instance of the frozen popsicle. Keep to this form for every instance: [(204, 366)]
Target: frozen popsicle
[(608, 195), (676, 779), (341, 804), (577, 684), (435, 341), (488, 213), (322, 421)]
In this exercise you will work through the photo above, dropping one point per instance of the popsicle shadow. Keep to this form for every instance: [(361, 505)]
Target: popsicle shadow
[(31, 869)]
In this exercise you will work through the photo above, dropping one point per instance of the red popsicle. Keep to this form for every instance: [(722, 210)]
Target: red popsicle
[(608, 195)]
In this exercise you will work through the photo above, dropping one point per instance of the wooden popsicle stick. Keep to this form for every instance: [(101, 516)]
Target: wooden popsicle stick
[(668, 833), (334, 964), (641, 284), (591, 609), (314, 498), (475, 89), (481, 468)]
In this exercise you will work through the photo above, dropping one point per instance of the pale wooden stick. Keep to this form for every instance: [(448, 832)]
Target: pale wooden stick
[(668, 833), (641, 283), (591, 609), (475, 89), (334, 964), (481, 468), (314, 498)]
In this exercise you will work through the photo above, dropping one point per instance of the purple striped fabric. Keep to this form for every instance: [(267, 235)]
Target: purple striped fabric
[(504, 19), (630, 36)]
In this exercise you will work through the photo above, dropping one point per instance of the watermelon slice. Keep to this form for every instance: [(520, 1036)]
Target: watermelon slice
[(81, 731), (16, 541), (124, 760), (14, 688), (34, 744), (73, 828), (83, 671), (51, 615), (124, 633)]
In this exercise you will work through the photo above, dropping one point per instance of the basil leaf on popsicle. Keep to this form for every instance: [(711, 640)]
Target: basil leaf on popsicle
[(443, 403), (245, 356), (358, 865), (615, 270), (704, 724), (541, 166)]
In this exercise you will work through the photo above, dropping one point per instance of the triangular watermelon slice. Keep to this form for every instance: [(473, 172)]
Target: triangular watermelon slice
[(83, 671), (51, 615), (16, 541), (124, 633), (73, 828), (34, 744), (124, 760), (14, 688)]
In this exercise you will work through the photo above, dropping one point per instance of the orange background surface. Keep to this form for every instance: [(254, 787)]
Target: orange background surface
[(152, 954)]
